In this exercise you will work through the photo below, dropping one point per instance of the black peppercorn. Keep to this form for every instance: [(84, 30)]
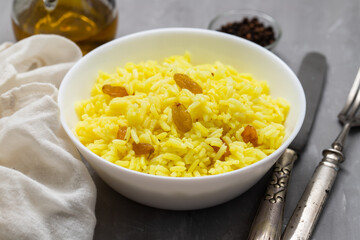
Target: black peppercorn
[(250, 29)]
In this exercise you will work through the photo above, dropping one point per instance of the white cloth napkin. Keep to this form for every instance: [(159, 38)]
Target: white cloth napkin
[(46, 191)]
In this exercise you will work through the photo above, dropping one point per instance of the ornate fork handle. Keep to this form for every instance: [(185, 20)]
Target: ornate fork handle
[(268, 220), (309, 207), (306, 213)]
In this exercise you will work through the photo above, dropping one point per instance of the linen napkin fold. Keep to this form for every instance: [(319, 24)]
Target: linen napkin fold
[(46, 191)]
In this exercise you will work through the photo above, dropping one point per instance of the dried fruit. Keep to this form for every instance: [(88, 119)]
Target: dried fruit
[(181, 117), (216, 148), (143, 148), (250, 135), (184, 81), (121, 132), (114, 91), (226, 129), (226, 153)]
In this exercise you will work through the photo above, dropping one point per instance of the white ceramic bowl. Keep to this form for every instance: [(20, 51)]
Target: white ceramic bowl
[(205, 46)]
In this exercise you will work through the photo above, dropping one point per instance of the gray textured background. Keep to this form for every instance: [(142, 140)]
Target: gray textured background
[(327, 26)]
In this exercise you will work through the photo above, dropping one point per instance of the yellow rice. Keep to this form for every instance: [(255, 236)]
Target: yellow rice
[(230, 99)]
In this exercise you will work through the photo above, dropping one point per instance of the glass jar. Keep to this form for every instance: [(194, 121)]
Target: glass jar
[(89, 23)]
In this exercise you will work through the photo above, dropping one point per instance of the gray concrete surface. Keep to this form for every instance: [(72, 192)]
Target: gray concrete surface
[(327, 26)]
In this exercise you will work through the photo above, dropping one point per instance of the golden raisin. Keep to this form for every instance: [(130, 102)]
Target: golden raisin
[(121, 132), (114, 91), (181, 117), (226, 129), (143, 148), (184, 81), (227, 151), (216, 148), (249, 135)]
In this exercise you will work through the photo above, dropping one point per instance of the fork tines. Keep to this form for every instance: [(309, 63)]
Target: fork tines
[(351, 107)]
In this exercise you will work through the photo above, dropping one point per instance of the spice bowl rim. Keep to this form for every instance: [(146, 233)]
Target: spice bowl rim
[(263, 17)]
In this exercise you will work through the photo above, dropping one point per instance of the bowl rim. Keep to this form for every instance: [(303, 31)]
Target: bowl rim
[(255, 13), (177, 30)]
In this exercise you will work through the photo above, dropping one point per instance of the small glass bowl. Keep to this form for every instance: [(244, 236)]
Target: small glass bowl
[(238, 15)]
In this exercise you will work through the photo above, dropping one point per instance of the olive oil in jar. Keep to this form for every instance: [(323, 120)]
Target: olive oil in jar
[(89, 23)]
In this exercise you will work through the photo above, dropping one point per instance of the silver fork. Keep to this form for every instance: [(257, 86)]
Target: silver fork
[(308, 209)]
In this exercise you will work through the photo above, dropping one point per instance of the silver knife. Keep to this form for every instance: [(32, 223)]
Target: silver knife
[(268, 220)]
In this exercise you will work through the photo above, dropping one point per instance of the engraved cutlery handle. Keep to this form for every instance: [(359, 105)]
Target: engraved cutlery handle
[(306, 213), (268, 220)]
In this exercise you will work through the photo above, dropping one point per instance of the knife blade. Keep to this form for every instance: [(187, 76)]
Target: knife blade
[(312, 74), (267, 223)]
